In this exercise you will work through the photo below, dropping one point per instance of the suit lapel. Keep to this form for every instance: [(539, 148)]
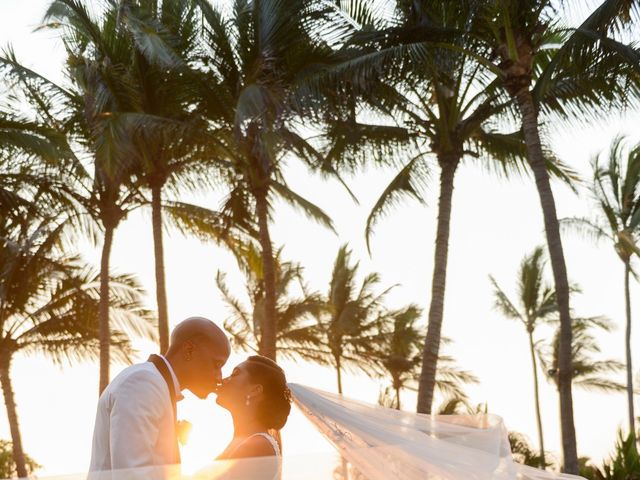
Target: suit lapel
[(160, 364)]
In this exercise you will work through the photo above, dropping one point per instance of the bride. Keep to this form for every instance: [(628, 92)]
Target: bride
[(257, 396)]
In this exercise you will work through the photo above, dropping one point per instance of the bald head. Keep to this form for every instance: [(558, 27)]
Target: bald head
[(198, 350), (194, 327)]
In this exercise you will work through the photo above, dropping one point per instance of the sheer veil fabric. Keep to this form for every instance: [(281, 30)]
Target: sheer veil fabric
[(383, 443)]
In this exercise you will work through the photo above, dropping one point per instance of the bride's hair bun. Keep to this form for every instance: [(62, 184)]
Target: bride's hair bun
[(274, 409)]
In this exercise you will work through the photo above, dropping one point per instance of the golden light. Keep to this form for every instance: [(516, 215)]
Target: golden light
[(210, 433), (212, 430)]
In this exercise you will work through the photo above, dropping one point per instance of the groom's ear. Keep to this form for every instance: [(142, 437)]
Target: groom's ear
[(258, 389)]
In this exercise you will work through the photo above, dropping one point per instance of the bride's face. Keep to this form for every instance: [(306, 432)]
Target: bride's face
[(237, 390)]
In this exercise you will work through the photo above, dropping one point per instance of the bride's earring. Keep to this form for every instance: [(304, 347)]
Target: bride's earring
[(248, 401)]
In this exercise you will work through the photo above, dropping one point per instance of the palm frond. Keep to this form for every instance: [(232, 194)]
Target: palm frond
[(152, 37), (409, 182), (502, 302), (586, 228), (311, 210)]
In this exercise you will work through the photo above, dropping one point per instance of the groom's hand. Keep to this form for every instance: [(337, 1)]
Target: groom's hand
[(183, 429)]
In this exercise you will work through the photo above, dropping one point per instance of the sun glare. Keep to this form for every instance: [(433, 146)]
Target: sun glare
[(212, 430)]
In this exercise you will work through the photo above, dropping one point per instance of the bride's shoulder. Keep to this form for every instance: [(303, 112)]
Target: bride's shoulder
[(256, 446)]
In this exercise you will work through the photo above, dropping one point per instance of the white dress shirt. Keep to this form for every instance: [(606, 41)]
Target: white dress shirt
[(176, 383)]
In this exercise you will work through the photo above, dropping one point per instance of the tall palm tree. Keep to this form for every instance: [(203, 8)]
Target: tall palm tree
[(535, 303), (91, 116), (616, 193), (296, 307), (544, 68), (49, 304), (548, 68), (588, 373), (133, 63), (165, 39), (254, 56), (353, 314), (101, 112), (450, 109), (100, 52)]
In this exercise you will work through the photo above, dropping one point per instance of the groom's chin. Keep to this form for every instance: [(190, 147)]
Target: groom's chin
[(202, 395)]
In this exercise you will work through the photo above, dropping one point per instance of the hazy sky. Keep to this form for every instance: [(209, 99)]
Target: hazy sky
[(495, 222)]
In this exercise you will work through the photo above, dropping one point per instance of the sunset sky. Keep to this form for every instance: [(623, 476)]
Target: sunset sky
[(495, 222)]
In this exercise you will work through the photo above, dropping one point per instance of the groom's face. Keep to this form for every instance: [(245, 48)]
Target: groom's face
[(208, 360)]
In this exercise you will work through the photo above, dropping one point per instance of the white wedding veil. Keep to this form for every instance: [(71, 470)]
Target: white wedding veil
[(383, 443), (371, 443)]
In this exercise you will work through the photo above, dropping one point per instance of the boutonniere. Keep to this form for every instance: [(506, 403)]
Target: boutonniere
[(183, 429)]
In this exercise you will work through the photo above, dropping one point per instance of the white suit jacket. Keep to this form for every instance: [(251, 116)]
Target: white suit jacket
[(135, 423)]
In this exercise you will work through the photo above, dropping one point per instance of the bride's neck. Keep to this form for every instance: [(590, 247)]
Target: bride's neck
[(243, 428)]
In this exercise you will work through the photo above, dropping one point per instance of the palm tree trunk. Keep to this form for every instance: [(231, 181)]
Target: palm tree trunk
[(104, 331), (268, 338), (12, 414), (627, 298), (427, 381), (344, 463), (536, 392), (161, 289), (397, 399), (339, 374), (537, 163)]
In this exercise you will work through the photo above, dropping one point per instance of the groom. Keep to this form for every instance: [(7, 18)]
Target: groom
[(136, 420)]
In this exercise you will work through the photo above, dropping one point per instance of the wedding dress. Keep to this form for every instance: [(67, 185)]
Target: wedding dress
[(266, 465)]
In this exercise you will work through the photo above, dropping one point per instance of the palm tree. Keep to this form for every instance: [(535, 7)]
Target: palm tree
[(100, 112), (536, 303), (524, 453), (106, 112), (616, 192), (353, 314), (296, 307), (90, 115), (398, 354), (254, 56), (588, 373), (586, 68), (401, 344), (165, 41), (547, 68), (450, 108), (49, 304)]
